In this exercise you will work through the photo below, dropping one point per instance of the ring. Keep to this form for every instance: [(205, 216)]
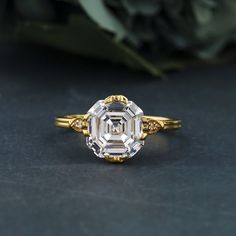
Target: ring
[(116, 128)]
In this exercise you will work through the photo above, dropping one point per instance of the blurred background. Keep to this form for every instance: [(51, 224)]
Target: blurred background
[(174, 58), (154, 35)]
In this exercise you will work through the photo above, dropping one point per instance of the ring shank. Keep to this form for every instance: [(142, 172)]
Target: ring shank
[(65, 121), (168, 123)]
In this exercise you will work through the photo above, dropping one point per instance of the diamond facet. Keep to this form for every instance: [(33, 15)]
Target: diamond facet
[(115, 129)]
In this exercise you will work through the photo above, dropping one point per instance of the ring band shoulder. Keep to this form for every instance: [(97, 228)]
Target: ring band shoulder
[(151, 124)]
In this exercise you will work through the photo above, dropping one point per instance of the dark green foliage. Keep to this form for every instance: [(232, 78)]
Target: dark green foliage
[(143, 34)]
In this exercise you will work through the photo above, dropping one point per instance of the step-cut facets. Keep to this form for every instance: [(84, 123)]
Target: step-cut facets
[(115, 129)]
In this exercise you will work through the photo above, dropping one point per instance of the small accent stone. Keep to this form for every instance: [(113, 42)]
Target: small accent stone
[(78, 124), (153, 127)]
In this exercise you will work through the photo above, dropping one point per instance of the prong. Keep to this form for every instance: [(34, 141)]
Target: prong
[(143, 135), (118, 159), (116, 98)]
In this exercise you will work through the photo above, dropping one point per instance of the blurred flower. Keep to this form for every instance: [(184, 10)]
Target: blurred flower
[(202, 27), (142, 33)]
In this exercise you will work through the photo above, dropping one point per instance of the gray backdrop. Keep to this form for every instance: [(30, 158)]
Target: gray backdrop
[(180, 183)]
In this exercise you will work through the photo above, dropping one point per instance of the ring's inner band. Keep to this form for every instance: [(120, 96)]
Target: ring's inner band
[(65, 121)]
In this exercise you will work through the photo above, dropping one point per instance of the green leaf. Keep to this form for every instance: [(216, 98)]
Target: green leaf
[(141, 6), (83, 37), (100, 14), (203, 13)]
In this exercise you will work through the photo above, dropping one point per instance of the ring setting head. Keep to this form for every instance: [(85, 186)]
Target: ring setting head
[(115, 128)]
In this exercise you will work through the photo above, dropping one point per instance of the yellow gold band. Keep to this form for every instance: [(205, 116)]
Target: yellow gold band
[(151, 124), (66, 121), (167, 123)]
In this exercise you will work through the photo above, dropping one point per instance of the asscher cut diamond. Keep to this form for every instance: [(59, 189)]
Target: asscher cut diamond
[(115, 129)]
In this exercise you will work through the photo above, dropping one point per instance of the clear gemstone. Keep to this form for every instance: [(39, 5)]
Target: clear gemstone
[(79, 124), (115, 129)]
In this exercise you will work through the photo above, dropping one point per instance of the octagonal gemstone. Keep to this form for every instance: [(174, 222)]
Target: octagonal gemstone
[(115, 129)]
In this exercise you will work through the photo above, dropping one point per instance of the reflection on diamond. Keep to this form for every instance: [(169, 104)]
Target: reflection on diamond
[(115, 129)]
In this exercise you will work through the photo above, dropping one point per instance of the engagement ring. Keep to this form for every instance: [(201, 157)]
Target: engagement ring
[(116, 128)]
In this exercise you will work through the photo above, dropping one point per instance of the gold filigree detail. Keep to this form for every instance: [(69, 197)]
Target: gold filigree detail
[(80, 124), (117, 159), (116, 98), (153, 127), (150, 126)]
